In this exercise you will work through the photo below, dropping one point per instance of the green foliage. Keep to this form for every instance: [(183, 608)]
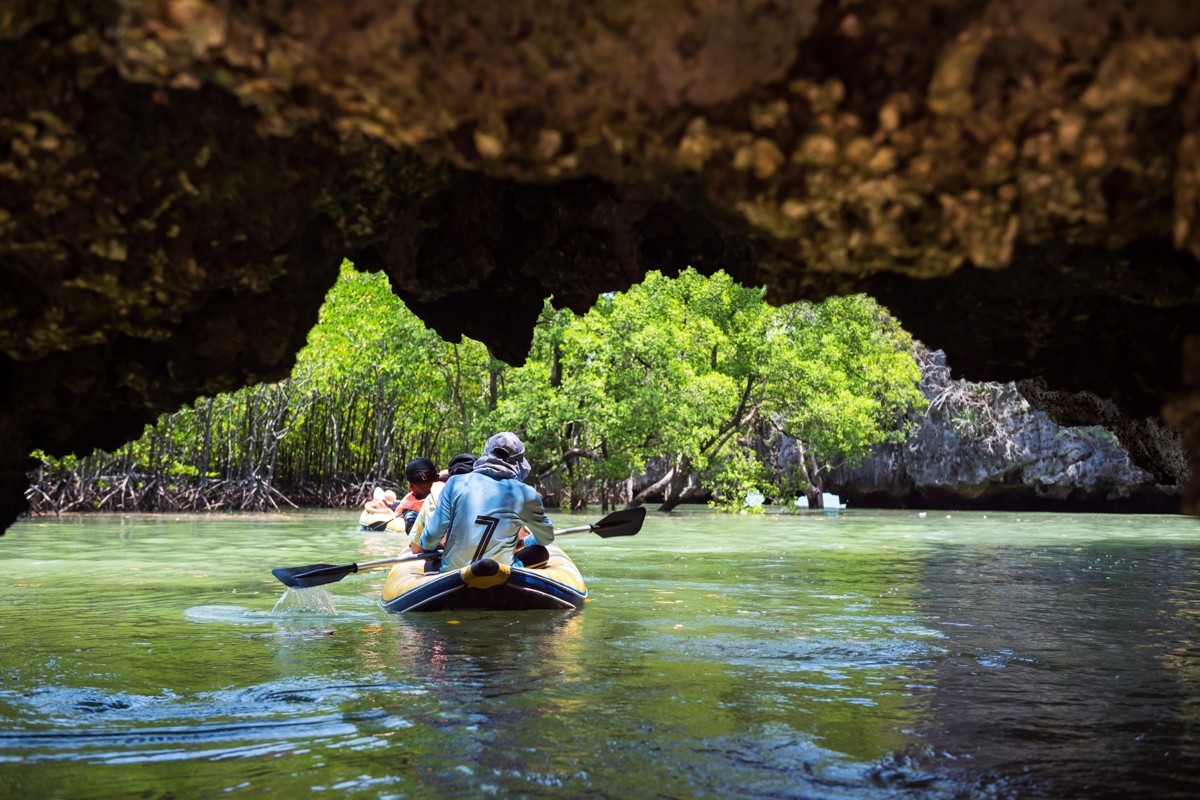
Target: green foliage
[(845, 381), (791, 484), (738, 478), (686, 367), (688, 371)]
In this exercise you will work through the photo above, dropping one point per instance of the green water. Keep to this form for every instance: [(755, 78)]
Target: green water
[(841, 655)]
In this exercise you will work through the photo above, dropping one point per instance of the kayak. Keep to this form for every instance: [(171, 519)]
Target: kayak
[(486, 584), (389, 517), (381, 521)]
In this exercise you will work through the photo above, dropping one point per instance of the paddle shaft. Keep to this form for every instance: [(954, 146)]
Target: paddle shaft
[(398, 560), (569, 531), (320, 574), (619, 523)]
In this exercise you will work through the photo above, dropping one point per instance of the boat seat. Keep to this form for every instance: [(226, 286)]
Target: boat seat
[(532, 557), (485, 568)]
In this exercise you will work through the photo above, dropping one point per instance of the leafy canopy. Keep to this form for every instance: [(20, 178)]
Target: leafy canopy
[(698, 375)]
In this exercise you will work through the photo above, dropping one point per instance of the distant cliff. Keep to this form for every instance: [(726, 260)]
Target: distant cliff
[(981, 445)]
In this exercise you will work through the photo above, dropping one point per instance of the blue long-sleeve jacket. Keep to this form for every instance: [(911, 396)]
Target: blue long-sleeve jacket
[(483, 516)]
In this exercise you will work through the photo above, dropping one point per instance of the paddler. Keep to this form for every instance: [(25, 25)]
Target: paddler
[(423, 482), (461, 464), (382, 502), (481, 514)]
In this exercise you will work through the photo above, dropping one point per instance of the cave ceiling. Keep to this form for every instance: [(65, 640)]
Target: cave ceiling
[(1019, 182)]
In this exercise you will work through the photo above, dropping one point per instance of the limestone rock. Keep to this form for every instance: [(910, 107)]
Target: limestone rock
[(984, 446)]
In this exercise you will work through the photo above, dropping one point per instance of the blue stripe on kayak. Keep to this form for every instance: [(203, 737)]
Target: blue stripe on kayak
[(427, 591), (521, 581)]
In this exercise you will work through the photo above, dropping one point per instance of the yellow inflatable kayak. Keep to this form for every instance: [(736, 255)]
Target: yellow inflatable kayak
[(376, 521), (486, 584)]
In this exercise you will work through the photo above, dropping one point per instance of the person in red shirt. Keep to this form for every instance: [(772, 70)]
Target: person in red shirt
[(422, 475)]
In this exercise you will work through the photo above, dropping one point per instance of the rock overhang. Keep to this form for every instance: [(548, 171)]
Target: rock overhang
[(179, 180)]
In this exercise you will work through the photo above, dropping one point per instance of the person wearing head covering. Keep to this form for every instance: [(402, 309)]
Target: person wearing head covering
[(480, 514), (423, 482), (459, 465), (382, 502)]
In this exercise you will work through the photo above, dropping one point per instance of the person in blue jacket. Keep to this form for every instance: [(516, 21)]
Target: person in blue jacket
[(481, 513)]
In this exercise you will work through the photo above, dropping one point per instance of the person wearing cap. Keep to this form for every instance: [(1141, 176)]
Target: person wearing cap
[(481, 513), (459, 465), (422, 476)]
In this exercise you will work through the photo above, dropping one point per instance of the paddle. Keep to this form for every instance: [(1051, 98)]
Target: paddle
[(625, 522), (312, 575)]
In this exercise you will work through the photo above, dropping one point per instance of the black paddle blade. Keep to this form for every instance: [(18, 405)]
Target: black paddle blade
[(312, 575), (625, 522)]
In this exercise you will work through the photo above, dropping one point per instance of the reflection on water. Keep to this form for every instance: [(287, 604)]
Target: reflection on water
[(828, 655)]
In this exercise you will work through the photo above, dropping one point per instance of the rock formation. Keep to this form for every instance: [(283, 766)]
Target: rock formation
[(179, 179), (982, 446)]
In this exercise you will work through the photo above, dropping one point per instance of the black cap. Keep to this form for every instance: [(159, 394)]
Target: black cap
[(421, 470), (462, 464)]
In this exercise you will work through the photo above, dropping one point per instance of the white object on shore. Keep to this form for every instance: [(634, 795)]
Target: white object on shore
[(831, 502)]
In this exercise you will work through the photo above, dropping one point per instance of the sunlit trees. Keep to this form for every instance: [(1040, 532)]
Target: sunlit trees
[(696, 376), (843, 383), (687, 370)]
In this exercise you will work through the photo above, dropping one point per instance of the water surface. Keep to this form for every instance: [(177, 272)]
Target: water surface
[(824, 655)]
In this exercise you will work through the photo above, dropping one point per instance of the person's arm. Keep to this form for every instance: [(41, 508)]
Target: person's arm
[(533, 514), (439, 520), (427, 510)]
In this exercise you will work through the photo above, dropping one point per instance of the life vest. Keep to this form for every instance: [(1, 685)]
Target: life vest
[(410, 507)]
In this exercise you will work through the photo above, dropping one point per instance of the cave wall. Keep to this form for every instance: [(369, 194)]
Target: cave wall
[(179, 179)]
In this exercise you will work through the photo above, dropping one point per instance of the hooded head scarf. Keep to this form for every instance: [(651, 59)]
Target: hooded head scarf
[(503, 457)]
